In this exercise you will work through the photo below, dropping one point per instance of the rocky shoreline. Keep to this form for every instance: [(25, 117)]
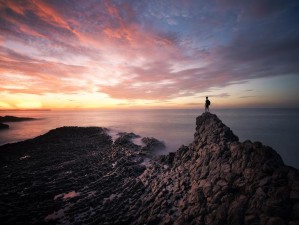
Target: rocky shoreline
[(76, 175), (5, 119)]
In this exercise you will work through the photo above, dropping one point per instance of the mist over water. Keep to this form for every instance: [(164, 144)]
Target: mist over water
[(278, 128)]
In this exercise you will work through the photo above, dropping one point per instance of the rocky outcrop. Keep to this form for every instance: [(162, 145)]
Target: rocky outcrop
[(77, 175), (3, 126), (218, 180), (152, 144), (4, 119)]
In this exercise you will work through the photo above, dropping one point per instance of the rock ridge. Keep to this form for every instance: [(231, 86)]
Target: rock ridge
[(218, 180), (80, 176)]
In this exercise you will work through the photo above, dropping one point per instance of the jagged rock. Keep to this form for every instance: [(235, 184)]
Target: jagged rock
[(223, 181), (3, 126), (77, 175), (210, 130), (152, 144), (125, 140)]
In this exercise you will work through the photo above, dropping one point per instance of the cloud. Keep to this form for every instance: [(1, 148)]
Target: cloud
[(151, 50), (256, 8), (263, 8), (37, 76), (158, 81), (261, 58), (222, 95), (248, 96), (240, 61)]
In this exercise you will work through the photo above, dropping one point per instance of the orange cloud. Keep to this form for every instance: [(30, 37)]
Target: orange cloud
[(38, 76)]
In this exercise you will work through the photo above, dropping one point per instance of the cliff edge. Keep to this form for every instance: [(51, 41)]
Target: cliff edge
[(77, 175), (218, 180)]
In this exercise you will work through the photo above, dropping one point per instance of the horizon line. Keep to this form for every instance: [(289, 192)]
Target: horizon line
[(146, 108)]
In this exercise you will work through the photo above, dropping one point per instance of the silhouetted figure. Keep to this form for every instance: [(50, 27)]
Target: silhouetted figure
[(207, 105)]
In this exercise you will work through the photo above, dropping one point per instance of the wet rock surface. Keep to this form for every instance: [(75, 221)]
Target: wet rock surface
[(77, 175)]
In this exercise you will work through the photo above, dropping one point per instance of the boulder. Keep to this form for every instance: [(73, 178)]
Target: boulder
[(152, 144)]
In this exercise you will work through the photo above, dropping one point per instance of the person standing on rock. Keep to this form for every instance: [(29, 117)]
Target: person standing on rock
[(207, 105)]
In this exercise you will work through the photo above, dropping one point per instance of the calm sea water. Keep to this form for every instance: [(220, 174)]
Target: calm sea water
[(278, 128)]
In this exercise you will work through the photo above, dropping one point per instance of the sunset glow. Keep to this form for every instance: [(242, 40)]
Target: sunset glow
[(139, 54)]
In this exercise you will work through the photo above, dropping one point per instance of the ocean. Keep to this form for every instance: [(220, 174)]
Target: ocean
[(278, 128)]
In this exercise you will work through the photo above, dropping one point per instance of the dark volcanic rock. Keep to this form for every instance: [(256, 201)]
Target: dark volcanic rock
[(4, 119), (218, 180), (152, 144), (69, 175), (125, 140), (79, 176), (3, 126)]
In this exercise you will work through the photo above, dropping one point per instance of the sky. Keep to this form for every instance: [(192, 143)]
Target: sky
[(69, 54)]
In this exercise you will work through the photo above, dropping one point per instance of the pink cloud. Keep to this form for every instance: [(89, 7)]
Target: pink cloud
[(39, 76), (17, 7)]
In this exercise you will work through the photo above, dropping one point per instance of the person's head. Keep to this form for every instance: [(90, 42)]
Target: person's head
[(207, 97)]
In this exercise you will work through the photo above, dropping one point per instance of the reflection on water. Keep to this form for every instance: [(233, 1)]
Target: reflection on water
[(278, 128)]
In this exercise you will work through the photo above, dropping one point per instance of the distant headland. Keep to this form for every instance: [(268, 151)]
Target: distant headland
[(6, 119)]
